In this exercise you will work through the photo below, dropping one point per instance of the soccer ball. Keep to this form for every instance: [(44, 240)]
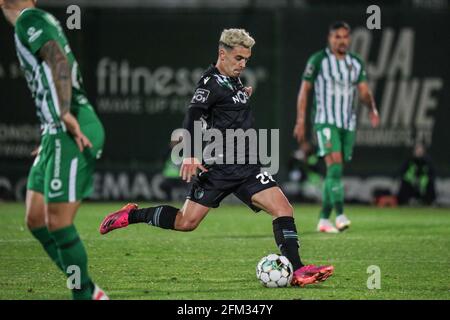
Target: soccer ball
[(274, 271)]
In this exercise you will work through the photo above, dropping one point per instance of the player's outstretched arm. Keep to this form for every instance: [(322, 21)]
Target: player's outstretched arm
[(302, 103), (54, 57), (366, 96)]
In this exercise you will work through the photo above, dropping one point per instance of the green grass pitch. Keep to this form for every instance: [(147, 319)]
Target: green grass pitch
[(411, 246)]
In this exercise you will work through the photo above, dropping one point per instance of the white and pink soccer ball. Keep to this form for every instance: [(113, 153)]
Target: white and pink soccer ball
[(274, 271)]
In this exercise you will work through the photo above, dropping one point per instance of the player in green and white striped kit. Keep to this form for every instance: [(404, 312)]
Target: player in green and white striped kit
[(72, 139), (336, 75)]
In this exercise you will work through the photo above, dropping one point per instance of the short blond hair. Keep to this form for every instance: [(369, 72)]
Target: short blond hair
[(236, 37)]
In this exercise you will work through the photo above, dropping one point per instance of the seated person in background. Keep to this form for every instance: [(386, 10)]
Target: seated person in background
[(304, 167), (417, 174), (172, 185)]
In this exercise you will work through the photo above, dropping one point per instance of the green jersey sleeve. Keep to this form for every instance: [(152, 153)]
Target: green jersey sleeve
[(362, 72), (313, 66), (35, 28)]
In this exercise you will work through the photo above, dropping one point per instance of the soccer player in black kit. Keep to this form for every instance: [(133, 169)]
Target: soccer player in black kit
[(221, 102)]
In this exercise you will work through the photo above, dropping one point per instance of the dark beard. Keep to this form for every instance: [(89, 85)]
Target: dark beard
[(342, 51)]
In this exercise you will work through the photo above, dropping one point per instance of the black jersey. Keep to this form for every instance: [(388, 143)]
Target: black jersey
[(226, 105)]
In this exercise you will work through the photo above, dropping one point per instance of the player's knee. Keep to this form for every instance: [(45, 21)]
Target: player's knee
[(335, 171), (189, 225), (283, 210), (56, 220), (34, 221), (183, 224), (52, 222)]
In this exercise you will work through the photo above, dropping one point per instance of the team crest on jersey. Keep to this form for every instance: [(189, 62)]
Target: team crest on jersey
[(200, 96), (309, 70), (98, 155), (56, 184), (31, 31), (199, 193)]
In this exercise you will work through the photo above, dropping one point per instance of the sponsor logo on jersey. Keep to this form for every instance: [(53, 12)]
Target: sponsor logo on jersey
[(33, 34), (200, 96), (241, 97), (309, 70), (56, 194), (57, 168), (206, 80)]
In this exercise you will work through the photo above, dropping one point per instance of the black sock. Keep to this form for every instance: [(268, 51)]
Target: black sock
[(286, 238), (161, 216)]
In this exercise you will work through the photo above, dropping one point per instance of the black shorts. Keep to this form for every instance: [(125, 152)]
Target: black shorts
[(210, 188)]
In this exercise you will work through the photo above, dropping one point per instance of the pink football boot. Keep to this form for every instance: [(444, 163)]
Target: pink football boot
[(118, 219), (311, 274)]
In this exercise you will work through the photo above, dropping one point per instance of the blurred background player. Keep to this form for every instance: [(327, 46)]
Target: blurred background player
[(215, 99), (72, 139), (335, 75), (305, 170), (417, 178), (172, 185)]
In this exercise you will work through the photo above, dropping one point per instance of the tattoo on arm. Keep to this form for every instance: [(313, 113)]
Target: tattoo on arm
[(55, 58)]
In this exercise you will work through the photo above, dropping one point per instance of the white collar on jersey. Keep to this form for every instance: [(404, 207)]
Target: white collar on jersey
[(24, 11), (328, 51)]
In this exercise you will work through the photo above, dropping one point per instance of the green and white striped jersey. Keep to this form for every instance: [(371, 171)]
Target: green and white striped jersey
[(35, 27), (335, 84)]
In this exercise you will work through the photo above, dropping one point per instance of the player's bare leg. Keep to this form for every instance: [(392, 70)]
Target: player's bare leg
[(35, 220), (167, 217), (35, 210), (190, 216), (61, 214), (274, 202)]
